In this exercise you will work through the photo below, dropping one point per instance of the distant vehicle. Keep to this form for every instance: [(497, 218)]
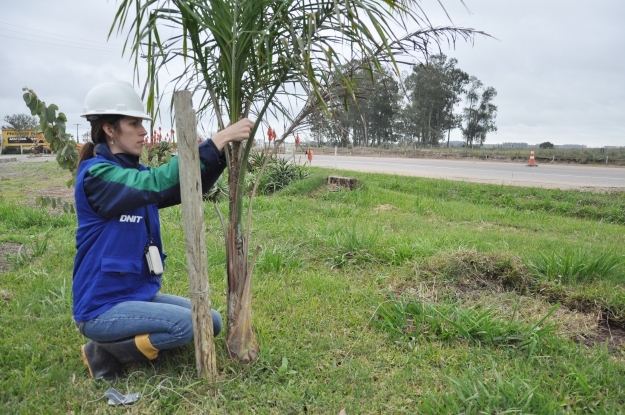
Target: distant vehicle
[(15, 138)]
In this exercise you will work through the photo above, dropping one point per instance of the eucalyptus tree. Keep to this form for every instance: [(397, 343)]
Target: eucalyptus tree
[(382, 108), (367, 116), (241, 56), (376, 104), (329, 129), (434, 89), (478, 117)]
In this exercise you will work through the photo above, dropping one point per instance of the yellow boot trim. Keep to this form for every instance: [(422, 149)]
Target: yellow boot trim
[(143, 344)]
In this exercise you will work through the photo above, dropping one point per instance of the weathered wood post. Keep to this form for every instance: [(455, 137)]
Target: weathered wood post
[(194, 235)]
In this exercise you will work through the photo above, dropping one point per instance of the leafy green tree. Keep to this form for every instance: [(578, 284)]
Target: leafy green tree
[(365, 118), (332, 124), (331, 129), (20, 122), (546, 144), (52, 125), (478, 118), (372, 117), (86, 137), (434, 89), (239, 55)]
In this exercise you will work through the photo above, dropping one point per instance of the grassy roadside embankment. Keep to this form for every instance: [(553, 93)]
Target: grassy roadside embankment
[(406, 295), (592, 156)]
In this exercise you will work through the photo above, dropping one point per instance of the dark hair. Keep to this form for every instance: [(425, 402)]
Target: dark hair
[(98, 136)]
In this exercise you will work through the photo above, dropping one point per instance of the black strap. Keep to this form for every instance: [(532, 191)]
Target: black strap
[(147, 226)]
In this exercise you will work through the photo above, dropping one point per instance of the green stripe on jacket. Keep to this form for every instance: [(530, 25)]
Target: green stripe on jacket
[(156, 179)]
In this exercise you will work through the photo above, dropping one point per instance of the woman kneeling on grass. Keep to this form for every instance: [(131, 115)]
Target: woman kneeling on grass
[(118, 266)]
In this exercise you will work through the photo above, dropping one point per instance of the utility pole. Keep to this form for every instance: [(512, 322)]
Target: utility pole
[(77, 139)]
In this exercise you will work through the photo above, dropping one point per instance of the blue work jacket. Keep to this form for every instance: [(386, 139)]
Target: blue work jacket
[(116, 197)]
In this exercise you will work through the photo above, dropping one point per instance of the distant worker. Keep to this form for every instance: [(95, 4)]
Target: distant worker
[(120, 259)]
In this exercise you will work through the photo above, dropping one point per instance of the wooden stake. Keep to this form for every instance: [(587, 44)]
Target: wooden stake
[(194, 235)]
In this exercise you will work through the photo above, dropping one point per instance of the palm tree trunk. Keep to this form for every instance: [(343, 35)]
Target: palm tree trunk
[(241, 344)]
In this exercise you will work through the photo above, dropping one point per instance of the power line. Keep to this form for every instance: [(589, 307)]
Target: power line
[(64, 41), (95, 48), (50, 33)]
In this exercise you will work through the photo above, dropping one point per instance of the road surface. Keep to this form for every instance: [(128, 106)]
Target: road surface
[(518, 174)]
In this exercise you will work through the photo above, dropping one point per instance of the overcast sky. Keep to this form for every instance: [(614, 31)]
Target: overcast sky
[(558, 65)]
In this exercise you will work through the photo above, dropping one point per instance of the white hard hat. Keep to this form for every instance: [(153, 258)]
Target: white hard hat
[(115, 98)]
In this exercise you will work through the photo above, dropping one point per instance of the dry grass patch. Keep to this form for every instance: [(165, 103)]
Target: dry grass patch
[(570, 322), (382, 208), (471, 270)]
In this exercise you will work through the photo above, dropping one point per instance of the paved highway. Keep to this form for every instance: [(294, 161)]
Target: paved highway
[(545, 175)]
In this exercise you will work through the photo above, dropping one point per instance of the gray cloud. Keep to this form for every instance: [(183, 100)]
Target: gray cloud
[(557, 65)]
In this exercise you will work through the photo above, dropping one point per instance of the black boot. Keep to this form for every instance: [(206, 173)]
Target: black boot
[(132, 350), (101, 364), (105, 359)]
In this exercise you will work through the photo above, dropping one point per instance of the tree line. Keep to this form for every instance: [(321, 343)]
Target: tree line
[(419, 108), (20, 122)]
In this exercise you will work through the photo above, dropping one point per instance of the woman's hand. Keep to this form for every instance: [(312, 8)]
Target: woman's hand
[(238, 131)]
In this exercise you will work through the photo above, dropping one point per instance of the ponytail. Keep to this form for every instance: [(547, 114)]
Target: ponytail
[(87, 152), (98, 136)]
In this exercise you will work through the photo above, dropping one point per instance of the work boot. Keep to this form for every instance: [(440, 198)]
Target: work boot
[(105, 359), (132, 350), (101, 364)]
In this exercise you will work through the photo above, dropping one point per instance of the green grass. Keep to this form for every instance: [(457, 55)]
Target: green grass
[(16, 178), (412, 320), (420, 308), (578, 266), (608, 207)]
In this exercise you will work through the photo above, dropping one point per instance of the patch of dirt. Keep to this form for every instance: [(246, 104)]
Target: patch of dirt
[(6, 249), (333, 187), (66, 194), (5, 295), (382, 208), (614, 336)]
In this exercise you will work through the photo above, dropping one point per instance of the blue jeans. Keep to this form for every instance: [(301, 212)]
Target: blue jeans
[(166, 318)]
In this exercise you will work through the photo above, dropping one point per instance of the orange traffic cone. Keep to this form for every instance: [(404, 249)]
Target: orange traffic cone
[(532, 162)]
